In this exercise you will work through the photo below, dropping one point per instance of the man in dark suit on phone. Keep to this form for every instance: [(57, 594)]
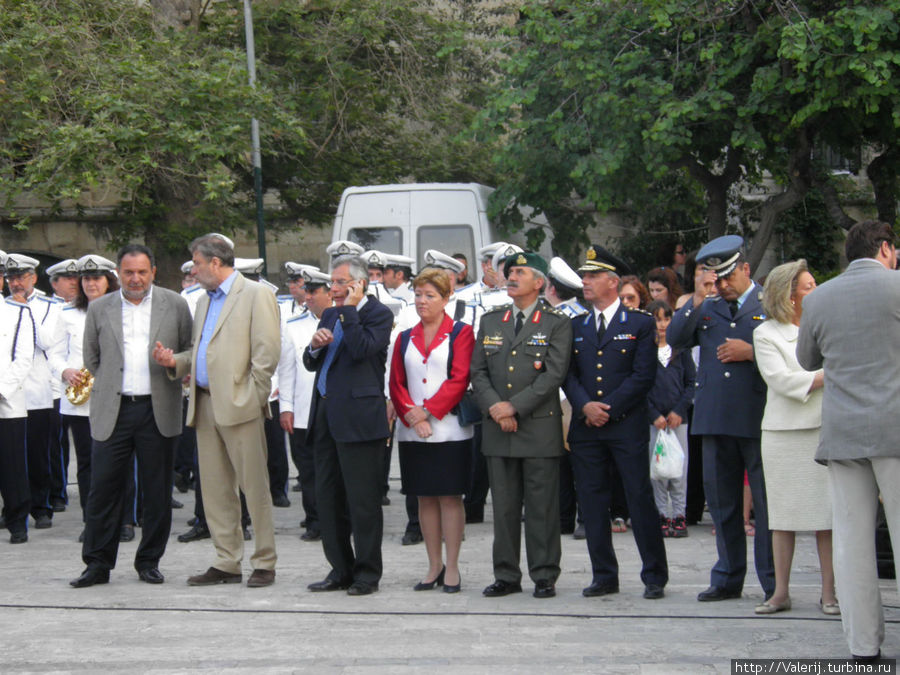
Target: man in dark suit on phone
[(348, 427)]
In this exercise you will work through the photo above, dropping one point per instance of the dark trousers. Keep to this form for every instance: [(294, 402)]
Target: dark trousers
[(593, 462), (532, 482), (186, 447), (725, 458), (37, 440), (696, 497), (348, 496), (476, 495), (14, 487), (302, 454), (59, 457), (81, 439), (569, 508), (276, 461), (135, 435)]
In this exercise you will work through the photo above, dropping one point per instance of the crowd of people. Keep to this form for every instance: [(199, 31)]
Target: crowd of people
[(555, 388)]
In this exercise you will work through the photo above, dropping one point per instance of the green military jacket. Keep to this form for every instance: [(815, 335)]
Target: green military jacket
[(527, 370)]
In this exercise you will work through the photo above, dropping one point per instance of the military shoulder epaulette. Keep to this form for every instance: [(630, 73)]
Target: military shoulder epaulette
[(193, 289), (297, 317), (499, 308), (14, 303), (68, 307), (550, 309), (46, 299), (638, 310)]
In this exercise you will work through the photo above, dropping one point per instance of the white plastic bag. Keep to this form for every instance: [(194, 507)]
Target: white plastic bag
[(668, 457)]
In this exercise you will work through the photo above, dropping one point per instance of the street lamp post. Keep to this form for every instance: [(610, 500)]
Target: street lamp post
[(254, 137)]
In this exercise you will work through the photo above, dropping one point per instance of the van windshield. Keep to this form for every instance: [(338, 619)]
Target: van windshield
[(384, 239)]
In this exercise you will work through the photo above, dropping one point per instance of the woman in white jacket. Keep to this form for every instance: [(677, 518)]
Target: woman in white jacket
[(798, 491)]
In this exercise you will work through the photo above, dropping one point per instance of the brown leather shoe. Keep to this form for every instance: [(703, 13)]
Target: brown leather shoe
[(261, 578), (214, 576)]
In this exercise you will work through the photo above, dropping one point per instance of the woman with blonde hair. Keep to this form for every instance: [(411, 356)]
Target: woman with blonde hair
[(798, 491)]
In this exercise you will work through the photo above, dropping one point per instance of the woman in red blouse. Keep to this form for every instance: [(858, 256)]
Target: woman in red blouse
[(426, 384)]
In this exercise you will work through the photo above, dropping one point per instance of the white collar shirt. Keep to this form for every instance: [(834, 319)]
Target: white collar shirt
[(136, 347), (609, 314)]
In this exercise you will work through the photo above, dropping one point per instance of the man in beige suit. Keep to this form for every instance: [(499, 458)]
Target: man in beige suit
[(236, 346)]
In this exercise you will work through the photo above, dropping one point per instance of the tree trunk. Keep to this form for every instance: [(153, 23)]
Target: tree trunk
[(717, 187), (833, 202), (800, 177), (882, 172)]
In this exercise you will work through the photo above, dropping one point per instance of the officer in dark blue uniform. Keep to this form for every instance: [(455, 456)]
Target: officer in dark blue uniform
[(612, 369), (728, 408)]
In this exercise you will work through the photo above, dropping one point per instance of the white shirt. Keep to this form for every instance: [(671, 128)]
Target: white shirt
[(609, 314), (39, 386), (136, 338), (67, 353), (16, 354), (296, 382)]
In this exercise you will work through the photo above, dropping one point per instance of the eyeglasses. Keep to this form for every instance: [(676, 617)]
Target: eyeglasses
[(341, 282)]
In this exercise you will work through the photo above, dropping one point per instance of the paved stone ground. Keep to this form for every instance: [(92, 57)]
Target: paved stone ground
[(46, 626)]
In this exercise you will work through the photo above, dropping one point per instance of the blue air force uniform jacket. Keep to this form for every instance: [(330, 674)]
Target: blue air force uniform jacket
[(618, 370), (730, 397)]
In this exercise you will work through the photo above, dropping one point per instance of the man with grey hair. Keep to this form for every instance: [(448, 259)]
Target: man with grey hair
[(236, 345), (348, 427)]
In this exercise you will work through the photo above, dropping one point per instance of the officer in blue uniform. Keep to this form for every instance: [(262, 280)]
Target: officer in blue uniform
[(728, 408), (612, 369)]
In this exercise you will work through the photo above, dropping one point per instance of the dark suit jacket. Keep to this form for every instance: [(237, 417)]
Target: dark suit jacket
[(619, 370), (730, 397), (170, 323), (355, 386)]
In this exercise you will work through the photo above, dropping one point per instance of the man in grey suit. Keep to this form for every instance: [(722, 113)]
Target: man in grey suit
[(851, 327), (136, 410)]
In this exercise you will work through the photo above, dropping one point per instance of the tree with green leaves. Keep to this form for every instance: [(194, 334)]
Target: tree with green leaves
[(603, 100)]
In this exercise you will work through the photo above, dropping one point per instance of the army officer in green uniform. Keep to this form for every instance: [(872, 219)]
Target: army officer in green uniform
[(520, 360)]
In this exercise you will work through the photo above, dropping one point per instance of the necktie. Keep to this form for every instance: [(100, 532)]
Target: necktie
[(733, 306), (329, 358), (601, 329), (520, 319)]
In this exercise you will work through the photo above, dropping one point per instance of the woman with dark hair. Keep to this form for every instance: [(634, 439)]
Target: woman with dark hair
[(662, 282), (95, 278), (429, 375), (632, 292)]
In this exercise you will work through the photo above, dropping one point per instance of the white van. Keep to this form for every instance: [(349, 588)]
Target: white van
[(410, 219)]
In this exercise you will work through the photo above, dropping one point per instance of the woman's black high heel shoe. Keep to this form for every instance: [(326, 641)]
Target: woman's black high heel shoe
[(455, 588), (429, 585)]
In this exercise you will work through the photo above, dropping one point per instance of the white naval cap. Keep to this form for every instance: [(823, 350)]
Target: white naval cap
[(2, 258), (223, 238), (68, 267), (502, 253), (295, 270), (486, 253), (17, 263), (437, 259), (343, 247), (375, 258), (315, 277), (249, 265), (187, 267), (561, 272), (394, 260), (95, 264)]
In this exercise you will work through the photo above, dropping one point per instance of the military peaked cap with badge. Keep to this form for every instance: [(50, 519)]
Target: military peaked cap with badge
[(343, 247), (560, 272), (435, 258), (93, 264), (598, 259), (525, 259), (722, 254), (187, 267), (295, 270), (315, 278), (502, 253), (249, 265), (399, 261), (3, 257), (375, 259), (486, 253), (17, 263), (64, 268)]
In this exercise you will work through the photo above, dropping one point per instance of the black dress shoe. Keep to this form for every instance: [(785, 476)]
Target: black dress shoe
[(429, 585), (58, 505), (544, 588), (151, 575), (18, 537), (281, 501), (90, 577), (385, 501), (328, 585), (182, 483), (579, 532), (175, 504), (42, 522), (311, 535), (500, 588), (193, 521), (126, 533), (196, 533), (716, 593), (596, 589), (410, 538), (454, 588), (653, 592), (362, 588)]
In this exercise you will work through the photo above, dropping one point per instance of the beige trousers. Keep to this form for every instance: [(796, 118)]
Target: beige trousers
[(233, 458), (856, 485)]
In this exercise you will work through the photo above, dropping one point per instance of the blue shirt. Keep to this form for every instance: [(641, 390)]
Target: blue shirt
[(216, 302)]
